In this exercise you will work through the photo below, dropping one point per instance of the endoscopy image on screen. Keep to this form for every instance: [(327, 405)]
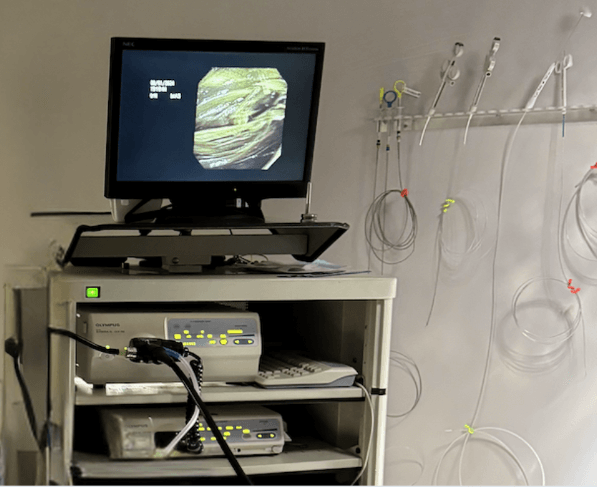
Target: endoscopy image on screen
[(239, 118), (213, 116)]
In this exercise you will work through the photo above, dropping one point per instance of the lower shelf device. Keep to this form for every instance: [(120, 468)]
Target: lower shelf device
[(138, 433), (227, 340)]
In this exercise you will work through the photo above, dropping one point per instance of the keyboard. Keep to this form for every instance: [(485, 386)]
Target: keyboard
[(292, 370)]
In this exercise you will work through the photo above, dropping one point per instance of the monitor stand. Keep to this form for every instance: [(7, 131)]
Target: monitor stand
[(191, 249), (183, 248), (232, 213)]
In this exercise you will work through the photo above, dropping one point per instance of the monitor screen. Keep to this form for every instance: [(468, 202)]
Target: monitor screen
[(222, 119)]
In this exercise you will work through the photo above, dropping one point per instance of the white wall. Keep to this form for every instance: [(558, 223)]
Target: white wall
[(53, 97)]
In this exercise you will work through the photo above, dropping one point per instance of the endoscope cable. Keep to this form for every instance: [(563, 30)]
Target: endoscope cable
[(166, 359), (375, 221), (191, 374), (408, 365), (482, 430), (485, 374), (560, 243), (493, 301), (584, 228), (377, 160), (476, 222)]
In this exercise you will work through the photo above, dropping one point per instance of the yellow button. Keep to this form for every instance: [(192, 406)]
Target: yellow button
[(202, 439), (188, 336), (229, 427), (223, 336), (212, 342), (209, 428), (238, 427), (185, 332), (219, 428), (209, 336), (201, 429), (200, 336), (249, 341), (223, 341), (202, 331), (234, 331), (237, 341), (226, 434), (177, 336), (212, 438), (246, 431)]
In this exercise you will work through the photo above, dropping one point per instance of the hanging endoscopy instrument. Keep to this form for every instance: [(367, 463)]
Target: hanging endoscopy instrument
[(561, 68), (403, 90), (488, 68), (375, 219), (449, 73)]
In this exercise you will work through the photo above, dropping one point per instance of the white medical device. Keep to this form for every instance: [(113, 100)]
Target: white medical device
[(561, 69), (488, 68), (532, 101), (140, 433), (227, 340), (448, 74)]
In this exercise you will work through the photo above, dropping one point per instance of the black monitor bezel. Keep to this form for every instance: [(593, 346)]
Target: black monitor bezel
[(249, 191)]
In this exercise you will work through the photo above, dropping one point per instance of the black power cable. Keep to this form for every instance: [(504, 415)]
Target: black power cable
[(84, 341), (65, 214), (11, 347)]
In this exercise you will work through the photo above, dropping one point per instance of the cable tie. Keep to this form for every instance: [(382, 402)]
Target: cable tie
[(469, 429), (447, 205), (572, 288), (595, 166), (405, 192)]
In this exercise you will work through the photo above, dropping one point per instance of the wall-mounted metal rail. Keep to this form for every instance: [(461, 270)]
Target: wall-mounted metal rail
[(549, 115)]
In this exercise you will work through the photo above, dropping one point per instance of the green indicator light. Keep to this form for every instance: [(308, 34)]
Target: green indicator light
[(92, 292)]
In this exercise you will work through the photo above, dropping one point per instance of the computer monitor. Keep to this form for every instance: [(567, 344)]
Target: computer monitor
[(214, 126)]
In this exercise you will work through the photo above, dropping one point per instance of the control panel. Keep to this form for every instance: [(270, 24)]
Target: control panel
[(227, 340)]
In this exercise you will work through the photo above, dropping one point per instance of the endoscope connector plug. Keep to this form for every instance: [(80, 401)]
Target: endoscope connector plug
[(144, 349)]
